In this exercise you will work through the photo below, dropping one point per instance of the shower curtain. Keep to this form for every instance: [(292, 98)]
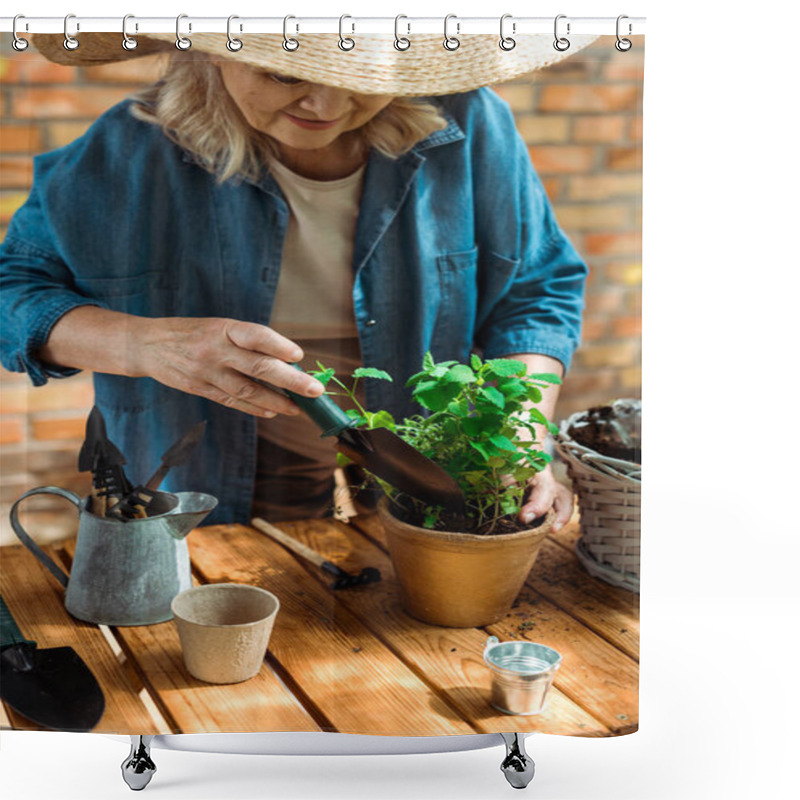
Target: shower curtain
[(503, 242)]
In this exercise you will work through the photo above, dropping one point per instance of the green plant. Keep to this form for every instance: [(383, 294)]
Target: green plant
[(479, 426)]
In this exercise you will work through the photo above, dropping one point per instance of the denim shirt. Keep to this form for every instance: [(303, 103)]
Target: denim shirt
[(456, 249)]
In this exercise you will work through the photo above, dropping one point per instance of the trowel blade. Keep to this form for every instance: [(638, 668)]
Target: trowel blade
[(386, 455)]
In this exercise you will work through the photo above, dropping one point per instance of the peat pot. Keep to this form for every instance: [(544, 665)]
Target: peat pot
[(459, 580)]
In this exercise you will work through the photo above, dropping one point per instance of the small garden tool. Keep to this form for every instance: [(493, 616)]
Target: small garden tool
[(344, 580)]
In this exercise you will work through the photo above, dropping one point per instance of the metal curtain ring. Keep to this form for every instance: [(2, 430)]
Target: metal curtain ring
[(623, 45), (70, 42), (290, 45), (19, 44), (127, 42), (506, 42), (234, 45), (401, 43), (451, 42), (561, 43), (182, 42), (345, 42)]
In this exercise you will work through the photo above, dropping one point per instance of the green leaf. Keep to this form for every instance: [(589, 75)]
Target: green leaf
[(429, 521), (323, 376), (546, 377), (381, 419), (427, 361), (342, 460), (506, 367), (503, 442), (479, 446), (371, 372), (475, 362), (460, 374), (494, 396), (435, 397), (534, 393)]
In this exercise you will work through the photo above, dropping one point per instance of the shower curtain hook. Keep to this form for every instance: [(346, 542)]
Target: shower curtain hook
[(290, 45), (182, 42), (234, 45), (401, 43), (128, 43), (507, 42), (19, 44), (623, 45), (345, 42), (70, 42), (561, 43), (451, 43)]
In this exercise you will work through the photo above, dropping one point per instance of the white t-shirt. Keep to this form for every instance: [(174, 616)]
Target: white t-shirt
[(314, 300)]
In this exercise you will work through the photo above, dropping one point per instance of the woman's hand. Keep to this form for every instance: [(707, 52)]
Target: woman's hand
[(222, 359), (547, 493)]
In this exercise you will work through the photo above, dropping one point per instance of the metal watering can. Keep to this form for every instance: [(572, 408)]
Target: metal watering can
[(125, 572)]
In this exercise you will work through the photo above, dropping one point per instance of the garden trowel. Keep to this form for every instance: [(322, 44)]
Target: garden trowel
[(383, 453), (53, 687)]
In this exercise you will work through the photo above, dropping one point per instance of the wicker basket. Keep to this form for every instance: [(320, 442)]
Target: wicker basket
[(609, 498)]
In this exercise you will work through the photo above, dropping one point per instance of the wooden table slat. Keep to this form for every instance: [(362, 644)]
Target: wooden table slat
[(451, 659), (36, 602), (262, 703), (332, 657), (595, 673)]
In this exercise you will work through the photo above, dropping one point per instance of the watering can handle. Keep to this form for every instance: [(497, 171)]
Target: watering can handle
[(23, 536)]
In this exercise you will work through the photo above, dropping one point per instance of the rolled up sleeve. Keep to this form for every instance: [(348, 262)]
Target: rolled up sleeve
[(36, 290)]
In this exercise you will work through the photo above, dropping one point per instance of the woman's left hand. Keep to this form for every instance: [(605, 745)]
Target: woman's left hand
[(547, 493)]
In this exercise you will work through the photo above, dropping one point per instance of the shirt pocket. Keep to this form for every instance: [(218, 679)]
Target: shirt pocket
[(455, 322), (148, 294)]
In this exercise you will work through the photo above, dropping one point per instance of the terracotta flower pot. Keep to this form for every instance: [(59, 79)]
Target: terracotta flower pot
[(459, 580)]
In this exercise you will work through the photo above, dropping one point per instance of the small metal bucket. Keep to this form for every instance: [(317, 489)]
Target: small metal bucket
[(522, 673)]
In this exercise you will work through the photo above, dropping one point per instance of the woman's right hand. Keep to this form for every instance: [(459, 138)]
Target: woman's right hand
[(219, 359)]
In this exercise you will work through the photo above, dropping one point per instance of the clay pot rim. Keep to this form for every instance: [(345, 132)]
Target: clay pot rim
[(458, 536)]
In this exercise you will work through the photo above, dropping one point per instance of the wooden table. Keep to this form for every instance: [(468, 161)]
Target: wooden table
[(349, 661)]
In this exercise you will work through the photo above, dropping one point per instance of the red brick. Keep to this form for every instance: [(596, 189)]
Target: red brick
[(562, 158), (627, 273), (631, 379), (141, 71), (518, 96), (594, 328), (34, 68), (613, 244), (59, 428), (618, 354), (605, 186), (13, 398), (586, 98), (628, 66), (543, 129), (9, 203), (62, 133), (554, 187), (12, 430), (65, 104), (599, 129), (627, 158), (627, 326), (592, 217), (20, 139), (581, 382), (635, 133), (605, 301), (16, 172)]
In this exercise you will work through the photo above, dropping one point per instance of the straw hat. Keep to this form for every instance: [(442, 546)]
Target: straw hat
[(373, 66)]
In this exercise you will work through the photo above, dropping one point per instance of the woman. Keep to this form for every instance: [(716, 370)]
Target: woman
[(252, 211)]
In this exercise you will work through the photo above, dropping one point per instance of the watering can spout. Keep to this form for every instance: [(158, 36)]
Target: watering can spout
[(192, 509)]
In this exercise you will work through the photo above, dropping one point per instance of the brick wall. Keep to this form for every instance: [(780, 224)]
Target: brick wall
[(581, 119)]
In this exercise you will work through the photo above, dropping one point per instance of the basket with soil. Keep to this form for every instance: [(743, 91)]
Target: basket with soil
[(602, 450)]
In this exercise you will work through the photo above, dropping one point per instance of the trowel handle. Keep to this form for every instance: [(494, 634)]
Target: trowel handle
[(323, 411), (23, 536)]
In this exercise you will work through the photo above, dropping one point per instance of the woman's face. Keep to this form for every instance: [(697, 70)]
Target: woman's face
[(298, 114)]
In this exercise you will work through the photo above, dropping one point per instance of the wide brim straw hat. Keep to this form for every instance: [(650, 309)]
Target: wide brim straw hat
[(373, 66)]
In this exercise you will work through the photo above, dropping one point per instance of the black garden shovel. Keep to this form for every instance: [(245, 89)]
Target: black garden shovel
[(53, 688), (385, 454)]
